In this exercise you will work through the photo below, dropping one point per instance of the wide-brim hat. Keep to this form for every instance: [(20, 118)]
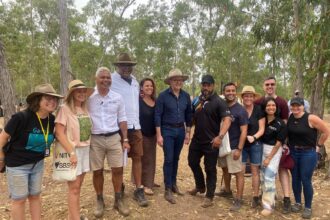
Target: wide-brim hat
[(78, 84), (124, 58), (43, 89), (249, 90), (175, 73)]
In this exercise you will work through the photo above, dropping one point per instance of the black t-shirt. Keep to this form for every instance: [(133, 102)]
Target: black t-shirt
[(253, 125), (147, 119), (274, 131), (28, 142), (208, 119), (239, 117)]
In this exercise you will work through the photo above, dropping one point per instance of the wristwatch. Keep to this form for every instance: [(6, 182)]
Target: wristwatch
[(72, 153), (221, 136)]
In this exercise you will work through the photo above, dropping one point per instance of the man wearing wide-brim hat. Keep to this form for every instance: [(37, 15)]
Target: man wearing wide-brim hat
[(173, 119), (124, 83)]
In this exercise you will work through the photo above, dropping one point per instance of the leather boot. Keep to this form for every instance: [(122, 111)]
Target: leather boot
[(176, 190), (99, 207), (169, 196), (119, 205)]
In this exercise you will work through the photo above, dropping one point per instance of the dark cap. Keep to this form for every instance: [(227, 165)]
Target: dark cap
[(297, 100), (207, 79)]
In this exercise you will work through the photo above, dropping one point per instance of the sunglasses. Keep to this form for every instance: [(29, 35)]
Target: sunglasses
[(270, 84)]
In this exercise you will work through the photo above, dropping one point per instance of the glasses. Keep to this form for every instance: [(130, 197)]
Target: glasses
[(49, 98), (270, 84)]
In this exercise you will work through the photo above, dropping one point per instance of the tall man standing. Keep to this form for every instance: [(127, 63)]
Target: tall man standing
[(107, 112), (232, 163), (124, 83), (209, 111), (173, 122), (269, 87)]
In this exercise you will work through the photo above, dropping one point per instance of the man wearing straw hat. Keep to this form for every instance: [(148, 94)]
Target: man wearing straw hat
[(124, 83), (209, 111), (107, 111), (173, 118)]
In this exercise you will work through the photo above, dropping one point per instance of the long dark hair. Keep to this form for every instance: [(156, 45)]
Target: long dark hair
[(34, 105), (153, 95), (265, 102)]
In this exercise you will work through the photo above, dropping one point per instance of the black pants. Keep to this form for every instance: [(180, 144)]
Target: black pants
[(196, 152)]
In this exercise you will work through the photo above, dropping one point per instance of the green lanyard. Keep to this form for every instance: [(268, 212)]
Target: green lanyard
[(43, 130)]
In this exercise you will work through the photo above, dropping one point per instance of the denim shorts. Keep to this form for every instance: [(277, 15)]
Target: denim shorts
[(254, 152), (25, 180)]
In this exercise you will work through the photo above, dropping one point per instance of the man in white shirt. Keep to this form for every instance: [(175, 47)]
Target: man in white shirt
[(107, 111), (124, 83)]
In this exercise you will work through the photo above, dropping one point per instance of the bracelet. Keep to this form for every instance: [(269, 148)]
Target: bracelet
[(221, 136), (125, 140), (255, 138), (72, 153)]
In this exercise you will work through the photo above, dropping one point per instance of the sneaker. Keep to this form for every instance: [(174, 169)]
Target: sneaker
[(296, 207), (169, 196), (266, 212), (237, 204), (176, 190), (139, 197), (148, 191), (224, 193), (194, 191), (307, 213), (99, 208), (207, 202), (255, 202), (286, 205)]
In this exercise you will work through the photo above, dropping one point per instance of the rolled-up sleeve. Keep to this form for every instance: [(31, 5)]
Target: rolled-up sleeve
[(121, 111), (159, 111)]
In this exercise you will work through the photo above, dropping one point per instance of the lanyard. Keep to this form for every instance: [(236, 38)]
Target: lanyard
[(43, 130)]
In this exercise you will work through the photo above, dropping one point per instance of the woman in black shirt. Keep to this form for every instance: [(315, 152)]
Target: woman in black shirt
[(302, 137), (273, 138), (148, 128)]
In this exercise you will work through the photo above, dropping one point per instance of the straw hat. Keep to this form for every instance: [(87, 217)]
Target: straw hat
[(78, 84), (175, 73), (249, 90), (43, 89), (124, 58)]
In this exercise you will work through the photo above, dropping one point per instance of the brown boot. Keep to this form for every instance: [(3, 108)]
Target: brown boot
[(169, 196), (99, 207), (119, 205), (176, 190), (194, 191)]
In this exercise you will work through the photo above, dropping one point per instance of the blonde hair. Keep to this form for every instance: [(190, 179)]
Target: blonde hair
[(70, 103), (102, 69)]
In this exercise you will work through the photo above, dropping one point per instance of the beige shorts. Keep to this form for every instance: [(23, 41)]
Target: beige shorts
[(106, 147), (234, 166)]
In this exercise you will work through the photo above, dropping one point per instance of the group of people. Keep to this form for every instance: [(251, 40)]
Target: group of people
[(122, 116)]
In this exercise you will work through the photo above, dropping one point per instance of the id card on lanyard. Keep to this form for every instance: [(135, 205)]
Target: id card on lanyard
[(45, 134)]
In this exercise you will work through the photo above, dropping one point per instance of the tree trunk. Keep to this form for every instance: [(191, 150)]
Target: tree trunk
[(66, 73), (7, 94), (298, 83)]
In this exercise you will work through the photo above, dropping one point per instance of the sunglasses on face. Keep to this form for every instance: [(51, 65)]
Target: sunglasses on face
[(270, 84)]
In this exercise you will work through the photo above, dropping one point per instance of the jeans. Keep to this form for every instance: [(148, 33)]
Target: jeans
[(196, 152), (268, 176), (254, 152), (302, 172), (173, 139), (25, 180)]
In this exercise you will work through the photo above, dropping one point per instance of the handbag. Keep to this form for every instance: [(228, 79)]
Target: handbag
[(286, 161), (62, 169), (225, 148)]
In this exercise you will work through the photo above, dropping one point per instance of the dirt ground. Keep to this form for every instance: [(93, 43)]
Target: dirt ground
[(54, 205)]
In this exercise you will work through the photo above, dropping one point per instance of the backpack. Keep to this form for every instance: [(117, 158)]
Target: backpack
[(23, 116)]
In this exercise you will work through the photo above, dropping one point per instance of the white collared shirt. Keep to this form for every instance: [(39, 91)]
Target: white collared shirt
[(130, 93), (106, 112)]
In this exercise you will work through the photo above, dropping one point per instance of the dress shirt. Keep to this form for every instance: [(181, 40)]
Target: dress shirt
[(131, 94), (106, 112), (173, 110)]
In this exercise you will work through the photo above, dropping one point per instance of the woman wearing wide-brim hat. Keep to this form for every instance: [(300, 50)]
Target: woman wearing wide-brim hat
[(173, 119), (73, 131), (253, 147), (30, 135)]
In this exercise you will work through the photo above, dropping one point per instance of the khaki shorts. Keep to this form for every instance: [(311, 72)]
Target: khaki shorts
[(106, 147), (135, 141), (234, 166)]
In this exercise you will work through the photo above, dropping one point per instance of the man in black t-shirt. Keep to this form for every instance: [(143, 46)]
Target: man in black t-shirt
[(209, 111)]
